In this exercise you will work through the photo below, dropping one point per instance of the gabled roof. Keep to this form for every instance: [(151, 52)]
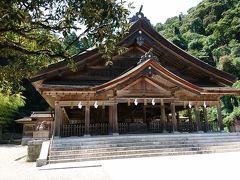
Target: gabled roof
[(174, 63), (149, 68), (141, 28)]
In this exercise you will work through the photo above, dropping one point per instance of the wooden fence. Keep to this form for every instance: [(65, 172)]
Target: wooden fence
[(123, 128), (78, 129)]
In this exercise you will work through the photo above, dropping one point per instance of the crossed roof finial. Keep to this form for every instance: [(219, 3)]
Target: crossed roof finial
[(140, 10), (139, 15)]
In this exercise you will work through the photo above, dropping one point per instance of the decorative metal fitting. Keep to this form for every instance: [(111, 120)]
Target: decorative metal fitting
[(148, 55)]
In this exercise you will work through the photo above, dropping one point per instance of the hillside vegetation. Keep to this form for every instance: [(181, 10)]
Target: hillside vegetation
[(211, 32)]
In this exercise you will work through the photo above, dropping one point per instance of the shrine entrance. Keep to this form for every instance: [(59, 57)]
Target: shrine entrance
[(136, 117)]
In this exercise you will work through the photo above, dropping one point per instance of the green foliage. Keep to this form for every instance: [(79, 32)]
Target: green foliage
[(234, 116), (32, 33), (212, 114), (9, 105), (210, 31)]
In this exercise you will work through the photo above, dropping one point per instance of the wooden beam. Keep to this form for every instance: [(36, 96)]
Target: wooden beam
[(85, 102), (65, 114)]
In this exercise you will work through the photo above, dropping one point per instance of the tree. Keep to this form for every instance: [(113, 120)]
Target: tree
[(31, 33), (9, 105)]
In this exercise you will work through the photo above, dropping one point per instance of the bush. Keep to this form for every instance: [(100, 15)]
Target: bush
[(234, 116), (9, 105)]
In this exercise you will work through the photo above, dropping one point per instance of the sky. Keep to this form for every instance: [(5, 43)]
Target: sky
[(159, 10)]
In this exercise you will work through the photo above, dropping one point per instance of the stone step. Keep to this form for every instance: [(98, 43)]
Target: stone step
[(130, 146), (134, 151), (93, 145), (106, 141), (137, 147), (147, 137), (146, 154)]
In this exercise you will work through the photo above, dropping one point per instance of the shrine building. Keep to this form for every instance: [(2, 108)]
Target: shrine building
[(143, 91)]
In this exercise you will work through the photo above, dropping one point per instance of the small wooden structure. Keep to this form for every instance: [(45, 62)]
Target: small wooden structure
[(142, 91), (38, 126)]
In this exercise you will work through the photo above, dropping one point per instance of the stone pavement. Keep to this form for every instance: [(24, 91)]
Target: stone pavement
[(207, 166)]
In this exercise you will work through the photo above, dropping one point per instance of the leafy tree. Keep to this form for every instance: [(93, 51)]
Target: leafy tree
[(234, 116), (211, 32), (31, 33), (9, 105)]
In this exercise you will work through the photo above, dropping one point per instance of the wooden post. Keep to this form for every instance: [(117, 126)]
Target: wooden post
[(190, 119), (110, 122), (206, 119), (197, 116), (219, 117), (174, 120), (163, 115), (57, 120), (178, 120), (144, 114), (115, 119), (87, 121)]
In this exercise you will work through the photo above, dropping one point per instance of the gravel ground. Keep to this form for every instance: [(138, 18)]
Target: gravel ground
[(208, 166)]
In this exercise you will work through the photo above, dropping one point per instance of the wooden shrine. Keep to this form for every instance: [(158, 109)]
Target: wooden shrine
[(142, 92)]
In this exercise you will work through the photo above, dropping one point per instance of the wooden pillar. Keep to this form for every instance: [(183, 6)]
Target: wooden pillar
[(103, 114), (113, 119), (178, 120), (174, 120), (219, 117), (144, 114), (110, 122), (197, 118), (163, 115), (57, 119), (190, 119), (206, 119), (87, 120)]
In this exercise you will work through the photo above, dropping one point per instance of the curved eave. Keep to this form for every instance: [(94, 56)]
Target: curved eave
[(227, 78), (62, 65), (221, 91), (160, 69)]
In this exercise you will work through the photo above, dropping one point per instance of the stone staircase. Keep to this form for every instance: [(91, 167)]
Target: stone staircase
[(77, 149)]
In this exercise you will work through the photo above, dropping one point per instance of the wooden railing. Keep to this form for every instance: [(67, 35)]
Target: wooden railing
[(155, 127), (72, 130), (98, 129), (78, 129), (123, 128)]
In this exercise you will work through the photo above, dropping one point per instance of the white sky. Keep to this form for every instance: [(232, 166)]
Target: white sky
[(159, 10)]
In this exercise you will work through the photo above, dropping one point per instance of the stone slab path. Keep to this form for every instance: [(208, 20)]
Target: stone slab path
[(208, 166)]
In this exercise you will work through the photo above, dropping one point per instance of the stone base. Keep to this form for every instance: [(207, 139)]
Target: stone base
[(25, 140), (42, 160), (176, 132), (115, 134), (34, 148), (86, 135), (165, 131)]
